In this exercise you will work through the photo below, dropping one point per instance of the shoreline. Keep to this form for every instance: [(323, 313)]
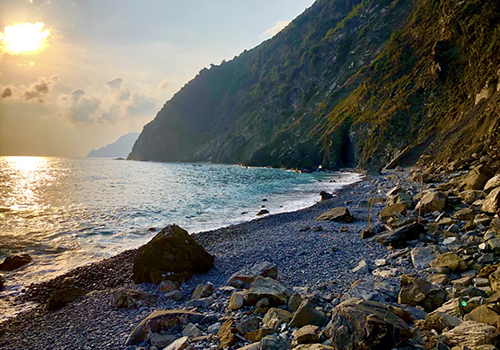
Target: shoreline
[(321, 261)]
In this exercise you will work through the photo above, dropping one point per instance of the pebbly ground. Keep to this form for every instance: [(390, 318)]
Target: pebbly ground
[(308, 253)]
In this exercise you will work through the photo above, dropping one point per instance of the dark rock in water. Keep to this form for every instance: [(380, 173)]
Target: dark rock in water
[(340, 214), (2, 283), (172, 254), (358, 324), (325, 195), (262, 212), (131, 299), (400, 237), (14, 262), (61, 297), (161, 322)]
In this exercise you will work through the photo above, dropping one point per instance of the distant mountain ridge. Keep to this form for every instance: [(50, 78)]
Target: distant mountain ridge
[(348, 83), (119, 148)]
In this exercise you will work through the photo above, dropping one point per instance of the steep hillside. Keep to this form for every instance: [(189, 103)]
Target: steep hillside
[(348, 83), (119, 148)]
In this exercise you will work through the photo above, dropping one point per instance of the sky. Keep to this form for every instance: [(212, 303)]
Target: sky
[(104, 68)]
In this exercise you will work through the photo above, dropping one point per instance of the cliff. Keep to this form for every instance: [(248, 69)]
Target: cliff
[(347, 83), (119, 148)]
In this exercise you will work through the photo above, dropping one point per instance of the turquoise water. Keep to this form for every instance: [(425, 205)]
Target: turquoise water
[(69, 212)]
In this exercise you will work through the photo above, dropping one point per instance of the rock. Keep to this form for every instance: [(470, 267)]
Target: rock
[(226, 334), (306, 314), (385, 273), (494, 244), (161, 321), (213, 329), (431, 201), (450, 261), (393, 210), (262, 212), (486, 271), (248, 324), (477, 178), (313, 347), (361, 268), (492, 183), (494, 278), (465, 214), (492, 201), (472, 334), (276, 317), (168, 285), (12, 263), (339, 214), (294, 302), (243, 278), (325, 195), (370, 288), (453, 307), (179, 344), (417, 291), (191, 331), (259, 334), (265, 287), (203, 291), (361, 325), (470, 196), (400, 237), (175, 295), (161, 340), (200, 303), (306, 335), (131, 299), (172, 254), (2, 283), (61, 297), (440, 278), (439, 321), (422, 257), (483, 314), (237, 301), (273, 342)]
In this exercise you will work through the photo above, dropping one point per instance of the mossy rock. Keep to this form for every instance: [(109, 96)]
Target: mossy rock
[(172, 254)]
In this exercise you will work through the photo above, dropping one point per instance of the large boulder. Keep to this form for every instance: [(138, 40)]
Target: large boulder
[(161, 321), (450, 261), (340, 214), (393, 210), (431, 201), (12, 263), (492, 202), (477, 178), (492, 183), (472, 334), (272, 290), (358, 324), (172, 254)]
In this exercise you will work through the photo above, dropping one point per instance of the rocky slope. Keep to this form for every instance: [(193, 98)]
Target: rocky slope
[(119, 148), (348, 83)]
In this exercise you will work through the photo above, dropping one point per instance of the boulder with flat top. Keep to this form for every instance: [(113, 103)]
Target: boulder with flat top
[(339, 214)]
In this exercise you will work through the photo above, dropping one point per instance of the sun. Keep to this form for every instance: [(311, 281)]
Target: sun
[(24, 38)]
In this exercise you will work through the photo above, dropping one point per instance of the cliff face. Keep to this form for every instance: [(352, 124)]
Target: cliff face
[(348, 83)]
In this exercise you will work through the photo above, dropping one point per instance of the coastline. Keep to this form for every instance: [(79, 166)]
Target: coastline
[(320, 260)]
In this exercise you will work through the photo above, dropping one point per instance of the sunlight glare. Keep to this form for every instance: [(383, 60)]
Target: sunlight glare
[(24, 38)]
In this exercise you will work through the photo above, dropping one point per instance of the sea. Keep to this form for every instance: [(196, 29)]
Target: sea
[(67, 213)]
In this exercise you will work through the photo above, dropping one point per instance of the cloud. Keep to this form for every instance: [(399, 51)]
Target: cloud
[(81, 108), (7, 92), (163, 85), (274, 30), (40, 89), (115, 83)]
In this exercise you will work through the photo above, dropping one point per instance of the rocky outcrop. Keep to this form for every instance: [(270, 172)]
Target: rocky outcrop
[(172, 254), (12, 263)]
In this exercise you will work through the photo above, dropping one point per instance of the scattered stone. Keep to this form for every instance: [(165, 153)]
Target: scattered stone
[(431, 201), (203, 291), (248, 324), (306, 314), (265, 287), (492, 183), (393, 210), (161, 320), (161, 340), (472, 334), (179, 344), (325, 195), (366, 322), (494, 278), (492, 201), (385, 273), (294, 302), (439, 321), (417, 291), (213, 329), (2, 283), (172, 254), (400, 237), (422, 257), (191, 331), (440, 278), (237, 301), (374, 289), (450, 261), (168, 285), (483, 314), (276, 317), (243, 278), (12, 263), (273, 342), (306, 335), (226, 334), (257, 335), (131, 299), (361, 268), (465, 214), (453, 307), (61, 297), (340, 214), (477, 178)]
